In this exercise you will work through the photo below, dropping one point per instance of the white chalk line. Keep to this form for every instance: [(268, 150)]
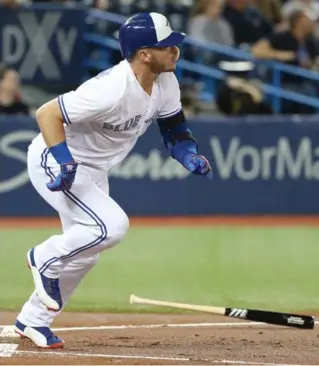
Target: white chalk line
[(98, 355), (144, 357), (8, 349), (255, 363), (7, 330), (151, 326), (101, 355)]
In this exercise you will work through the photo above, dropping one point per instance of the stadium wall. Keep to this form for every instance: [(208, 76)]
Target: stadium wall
[(261, 167)]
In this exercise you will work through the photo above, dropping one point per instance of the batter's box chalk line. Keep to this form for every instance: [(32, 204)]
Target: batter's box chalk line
[(7, 350), (98, 355), (13, 351), (8, 332)]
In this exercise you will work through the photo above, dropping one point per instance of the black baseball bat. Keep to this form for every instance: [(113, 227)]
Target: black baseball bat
[(263, 316)]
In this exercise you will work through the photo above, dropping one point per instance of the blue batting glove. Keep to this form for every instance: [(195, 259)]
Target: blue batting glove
[(65, 178), (197, 164)]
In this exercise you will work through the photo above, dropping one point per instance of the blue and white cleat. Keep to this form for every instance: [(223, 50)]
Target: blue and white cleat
[(47, 288), (41, 336)]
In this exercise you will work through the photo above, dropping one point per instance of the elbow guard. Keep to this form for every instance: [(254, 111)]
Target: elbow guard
[(177, 136), (174, 129)]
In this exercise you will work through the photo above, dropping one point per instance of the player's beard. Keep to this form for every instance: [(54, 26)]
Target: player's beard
[(158, 67), (170, 68)]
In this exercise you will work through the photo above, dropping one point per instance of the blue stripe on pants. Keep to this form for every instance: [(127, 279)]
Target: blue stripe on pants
[(84, 207)]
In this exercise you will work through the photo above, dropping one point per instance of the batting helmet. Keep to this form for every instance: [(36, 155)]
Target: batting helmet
[(147, 30)]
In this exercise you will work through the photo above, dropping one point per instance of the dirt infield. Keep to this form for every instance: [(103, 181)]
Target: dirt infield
[(263, 220), (221, 342)]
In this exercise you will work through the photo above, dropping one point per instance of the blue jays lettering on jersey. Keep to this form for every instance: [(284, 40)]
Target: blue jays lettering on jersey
[(130, 123)]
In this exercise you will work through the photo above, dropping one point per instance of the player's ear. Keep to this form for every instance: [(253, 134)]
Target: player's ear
[(145, 55), (178, 52)]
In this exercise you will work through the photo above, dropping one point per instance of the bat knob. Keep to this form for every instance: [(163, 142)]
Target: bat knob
[(132, 299)]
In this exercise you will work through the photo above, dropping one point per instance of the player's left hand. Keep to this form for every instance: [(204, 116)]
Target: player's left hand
[(65, 179), (197, 164)]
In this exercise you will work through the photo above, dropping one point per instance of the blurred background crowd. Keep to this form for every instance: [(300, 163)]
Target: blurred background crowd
[(286, 31)]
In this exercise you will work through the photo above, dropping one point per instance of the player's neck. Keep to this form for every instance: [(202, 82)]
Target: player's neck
[(144, 76)]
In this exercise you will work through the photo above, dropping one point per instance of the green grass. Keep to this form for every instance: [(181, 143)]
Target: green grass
[(270, 268)]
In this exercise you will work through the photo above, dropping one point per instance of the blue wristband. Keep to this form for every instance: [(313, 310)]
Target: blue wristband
[(61, 153), (179, 150)]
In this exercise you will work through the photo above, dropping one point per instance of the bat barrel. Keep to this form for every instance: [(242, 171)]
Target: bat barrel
[(290, 320), (271, 317)]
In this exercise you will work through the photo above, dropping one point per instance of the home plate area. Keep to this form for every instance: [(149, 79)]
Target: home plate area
[(157, 339)]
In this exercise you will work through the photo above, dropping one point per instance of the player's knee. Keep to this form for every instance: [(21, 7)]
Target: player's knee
[(111, 230), (119, 228), (116, 229)]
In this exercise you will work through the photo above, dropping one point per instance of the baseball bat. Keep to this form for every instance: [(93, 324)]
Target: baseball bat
[(264, 316)]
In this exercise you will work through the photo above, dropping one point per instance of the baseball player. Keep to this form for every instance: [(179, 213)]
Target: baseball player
[(84, 133)]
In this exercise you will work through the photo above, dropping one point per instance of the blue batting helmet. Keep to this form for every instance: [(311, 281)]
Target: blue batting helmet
[(147, 30)]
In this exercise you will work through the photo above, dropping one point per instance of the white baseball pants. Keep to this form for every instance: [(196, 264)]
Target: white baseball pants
[(91, 221)]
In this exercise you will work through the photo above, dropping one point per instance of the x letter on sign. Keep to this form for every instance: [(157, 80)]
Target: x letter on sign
[(39, 54)]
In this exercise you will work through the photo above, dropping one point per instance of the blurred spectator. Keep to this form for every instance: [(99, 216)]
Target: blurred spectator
[(206, 23), (271, 9), (248, 24), (101, 4), (16, 3), (10, 95), (292, 46), (9, 3), (296, 48), (307, 5)]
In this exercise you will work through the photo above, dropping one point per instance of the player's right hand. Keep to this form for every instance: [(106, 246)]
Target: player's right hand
[(197, 164), (65, 179)]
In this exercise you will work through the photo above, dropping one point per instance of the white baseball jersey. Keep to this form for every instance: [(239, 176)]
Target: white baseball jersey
[(106, 115), (103, 119)]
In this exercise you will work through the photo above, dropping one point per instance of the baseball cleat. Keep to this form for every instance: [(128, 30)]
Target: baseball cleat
[(47, 288), (41, 336)]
